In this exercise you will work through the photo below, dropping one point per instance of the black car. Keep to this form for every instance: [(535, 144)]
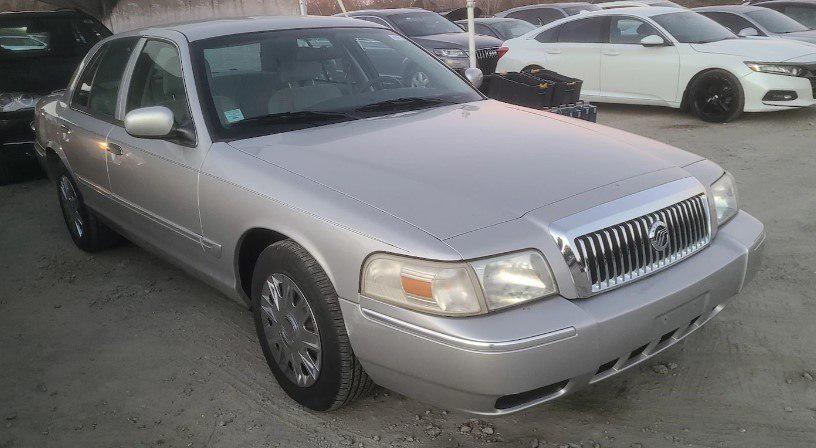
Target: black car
[(540, 15), (39, 52), (437, 35), (803, 11), (499, 27)]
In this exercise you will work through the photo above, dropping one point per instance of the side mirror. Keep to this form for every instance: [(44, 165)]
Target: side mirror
[(652, 41), (475, 76), (149, 122), (748, 32)]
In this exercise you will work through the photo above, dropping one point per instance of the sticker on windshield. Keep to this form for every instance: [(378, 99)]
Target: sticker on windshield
[(396, 37), (233, 115)]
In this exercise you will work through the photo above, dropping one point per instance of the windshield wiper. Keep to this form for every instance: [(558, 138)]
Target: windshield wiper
[(299, 117), (402, 103)]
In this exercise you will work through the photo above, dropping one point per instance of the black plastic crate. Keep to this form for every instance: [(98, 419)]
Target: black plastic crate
[(566, 90), (521, 89)]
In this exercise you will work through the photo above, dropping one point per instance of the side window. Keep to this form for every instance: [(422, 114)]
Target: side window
[(157, 81), (484, 30), (583, 31), (628, 30), (549, 36), (548, 15), (98, 87), (733, 22)]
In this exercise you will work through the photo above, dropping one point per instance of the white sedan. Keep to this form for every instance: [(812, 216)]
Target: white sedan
[(669, 57)]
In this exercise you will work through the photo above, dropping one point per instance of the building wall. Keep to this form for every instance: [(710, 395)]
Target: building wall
[(122, 15)]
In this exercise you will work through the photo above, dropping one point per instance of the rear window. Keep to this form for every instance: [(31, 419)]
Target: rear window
[(24, 35)]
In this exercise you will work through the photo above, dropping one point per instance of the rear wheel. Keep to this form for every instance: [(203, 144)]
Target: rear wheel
[(301, 329), (716, 96), (87, 232)]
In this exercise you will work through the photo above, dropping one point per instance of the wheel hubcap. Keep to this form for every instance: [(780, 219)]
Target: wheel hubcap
[(291, 330), (70, 204)]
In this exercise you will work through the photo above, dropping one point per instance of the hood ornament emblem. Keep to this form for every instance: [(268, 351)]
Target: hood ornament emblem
[(659, 236)]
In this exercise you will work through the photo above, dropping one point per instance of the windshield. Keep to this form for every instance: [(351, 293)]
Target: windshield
[(573, 10), (512, 28), (776, 22), (38, 35), (424, 23), (278, 81), (692, 28)]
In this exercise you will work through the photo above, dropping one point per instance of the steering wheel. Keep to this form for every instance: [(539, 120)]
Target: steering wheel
[(382, 81)]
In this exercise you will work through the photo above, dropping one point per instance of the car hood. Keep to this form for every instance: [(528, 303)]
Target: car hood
[(456, 40), (453, 169), (803, 36), (761, 50)]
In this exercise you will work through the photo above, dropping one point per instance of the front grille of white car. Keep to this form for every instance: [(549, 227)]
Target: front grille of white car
[(624, 252)]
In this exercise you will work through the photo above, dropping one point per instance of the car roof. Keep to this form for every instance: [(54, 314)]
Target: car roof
[(795, 2), (638, 11), (542, 5), (729, 8), (384, 12), (206, 29), (491, 20), (58, 12)]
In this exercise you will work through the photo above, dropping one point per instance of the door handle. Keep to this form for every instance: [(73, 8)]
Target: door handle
[(611, 53), (554, 51), (115, 149)]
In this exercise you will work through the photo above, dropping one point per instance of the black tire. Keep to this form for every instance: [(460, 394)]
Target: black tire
[(716, 96), (5, 173), (87, 232), (341, 378)]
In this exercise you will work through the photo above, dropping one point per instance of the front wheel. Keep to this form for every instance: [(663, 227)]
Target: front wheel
[(301, 329), (716, 96)]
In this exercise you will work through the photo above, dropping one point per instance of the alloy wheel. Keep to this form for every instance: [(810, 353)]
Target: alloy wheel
[(291, 330), (70, 204), (716, 97)]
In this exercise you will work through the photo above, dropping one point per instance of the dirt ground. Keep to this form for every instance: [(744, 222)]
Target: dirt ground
[(122, 349)]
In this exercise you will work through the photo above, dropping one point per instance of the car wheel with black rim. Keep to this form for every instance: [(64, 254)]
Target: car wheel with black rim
[(716, 96), (87, 232), (301, 329)]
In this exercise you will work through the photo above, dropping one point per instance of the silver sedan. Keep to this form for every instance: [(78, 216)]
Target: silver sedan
[(469, 253)]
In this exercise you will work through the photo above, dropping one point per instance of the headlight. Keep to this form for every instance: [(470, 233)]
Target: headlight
[(458, 288), (724, 193), (777, 69), (450, 52), (12, 102)]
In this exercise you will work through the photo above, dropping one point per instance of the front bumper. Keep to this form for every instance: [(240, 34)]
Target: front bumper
[(16, 137), (511, 360), (756, 85)]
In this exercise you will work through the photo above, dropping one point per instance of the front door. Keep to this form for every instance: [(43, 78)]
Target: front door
[(156, 180), (631, 71)]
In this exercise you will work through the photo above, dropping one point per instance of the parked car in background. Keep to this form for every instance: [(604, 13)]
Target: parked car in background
[(372, 226), (630, 4), (803, 11), (438, 35), (748, 20), (669, 57), (500, 28), (543, 14), (38, 53)]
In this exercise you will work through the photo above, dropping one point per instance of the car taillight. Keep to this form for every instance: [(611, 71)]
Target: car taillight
[(501, 51)]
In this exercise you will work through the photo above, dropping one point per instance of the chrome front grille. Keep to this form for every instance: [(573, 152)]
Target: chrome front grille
[(624, 252)]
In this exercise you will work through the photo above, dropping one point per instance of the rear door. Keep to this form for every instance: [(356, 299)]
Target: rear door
[(155, 180), (577, 52), (89, 117), (630, 71)]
